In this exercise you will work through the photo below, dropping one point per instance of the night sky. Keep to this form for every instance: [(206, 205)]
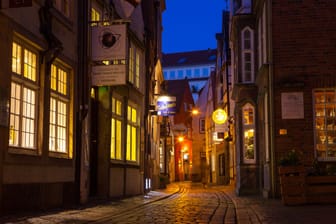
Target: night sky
[(191, 24)]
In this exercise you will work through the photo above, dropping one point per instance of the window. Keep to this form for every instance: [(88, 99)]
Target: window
[(95, 17), (135, 62), (205, 72), (132, 134), (202, 125), (59, 109), (248, 133), (188, 73), (197, 73), (116, 129), (63, 6), (172, 75), (325, 124), (180, 74), (247, 55), (23, 98)]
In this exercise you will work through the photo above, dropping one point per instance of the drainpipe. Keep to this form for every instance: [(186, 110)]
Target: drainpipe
[(82, 97), (271, 96)]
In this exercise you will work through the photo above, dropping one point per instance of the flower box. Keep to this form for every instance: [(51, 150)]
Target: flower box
[(321, 189), (292, 184)]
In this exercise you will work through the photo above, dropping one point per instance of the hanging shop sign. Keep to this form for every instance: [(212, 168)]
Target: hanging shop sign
[(166, 105), (109, 42), (219, 116), (109, 75)]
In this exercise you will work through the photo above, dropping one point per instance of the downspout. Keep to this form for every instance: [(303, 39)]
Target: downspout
[(271, 96)]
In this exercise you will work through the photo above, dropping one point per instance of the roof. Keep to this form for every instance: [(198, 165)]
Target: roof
[(177, 88), (201, 57)]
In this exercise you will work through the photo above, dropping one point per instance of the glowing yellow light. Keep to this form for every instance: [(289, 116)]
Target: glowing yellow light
[(219, 116), (195, 112), (180, 138)]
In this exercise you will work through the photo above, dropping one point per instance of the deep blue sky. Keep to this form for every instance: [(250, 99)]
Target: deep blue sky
[(191, 24)]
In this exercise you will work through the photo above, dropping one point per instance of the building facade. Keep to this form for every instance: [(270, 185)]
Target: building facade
[(39, 97), (78, 80), (282, 56), (196, 66)]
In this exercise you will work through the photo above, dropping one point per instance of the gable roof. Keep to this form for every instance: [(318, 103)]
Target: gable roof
[(201, 57), (178, 89)]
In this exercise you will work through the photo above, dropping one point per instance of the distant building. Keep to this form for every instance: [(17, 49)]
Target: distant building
[(196, 66)]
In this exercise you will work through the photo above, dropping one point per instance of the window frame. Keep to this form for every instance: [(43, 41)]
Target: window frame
[(60, 98), (27, 113), (248, 126), (247, 50), (116, 152), (132, 127), (135, 64), (324, 109)]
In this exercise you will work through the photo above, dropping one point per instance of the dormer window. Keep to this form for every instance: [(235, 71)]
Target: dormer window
[(247, 55)]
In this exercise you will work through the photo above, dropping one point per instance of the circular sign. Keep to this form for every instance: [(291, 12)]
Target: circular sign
[(219, 116)]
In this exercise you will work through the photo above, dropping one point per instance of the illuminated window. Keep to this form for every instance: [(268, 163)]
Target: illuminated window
[(116, 129), (63, 6), (23, 98), (325, 124), (59, 109), (134, 65), (248, 133), (132, 134), (95, 17), (247, 55)]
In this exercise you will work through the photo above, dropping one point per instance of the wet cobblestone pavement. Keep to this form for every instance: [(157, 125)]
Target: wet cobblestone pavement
[(185, 203)]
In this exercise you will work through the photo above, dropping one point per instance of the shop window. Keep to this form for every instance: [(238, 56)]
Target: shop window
[(132, 133), (23, 97), (59, 109), (116, 129), (325, 124), (249, 153)]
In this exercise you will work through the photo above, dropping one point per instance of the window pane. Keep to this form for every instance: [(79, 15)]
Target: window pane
[(29, 65), (128, 143), (28, 118), (16, 58), (118, 140), (134, 115), (249, 144), (53, 77), (134, 137), (113, 139)]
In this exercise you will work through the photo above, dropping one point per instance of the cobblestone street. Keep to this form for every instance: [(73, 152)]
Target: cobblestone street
[(184, 203)]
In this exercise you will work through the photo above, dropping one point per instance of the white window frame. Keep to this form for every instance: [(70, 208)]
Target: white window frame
[(59, 123), (135, 64), (24, 96), (248, 126), (247, 50)]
